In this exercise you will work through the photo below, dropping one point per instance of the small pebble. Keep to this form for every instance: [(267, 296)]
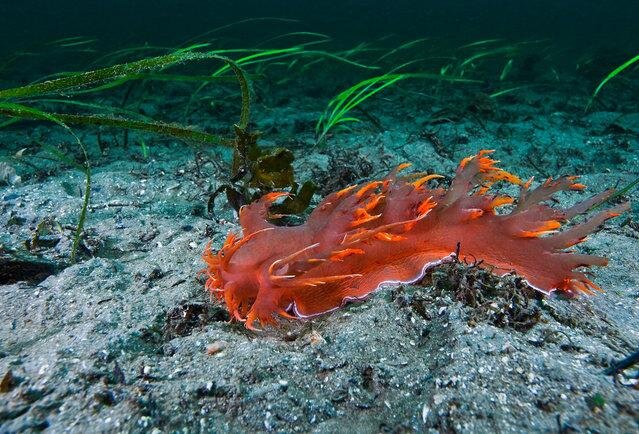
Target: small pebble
[(316, 339), (215, 347)]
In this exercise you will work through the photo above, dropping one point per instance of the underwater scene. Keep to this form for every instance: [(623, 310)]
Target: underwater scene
[(347, 216)]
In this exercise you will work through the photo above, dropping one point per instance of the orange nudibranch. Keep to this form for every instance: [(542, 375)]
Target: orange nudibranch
[(392, 231)]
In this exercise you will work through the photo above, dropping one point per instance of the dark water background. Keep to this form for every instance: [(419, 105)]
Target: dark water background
[(580, 24)]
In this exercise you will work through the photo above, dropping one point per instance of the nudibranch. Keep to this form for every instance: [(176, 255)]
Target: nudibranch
[(392, 231)]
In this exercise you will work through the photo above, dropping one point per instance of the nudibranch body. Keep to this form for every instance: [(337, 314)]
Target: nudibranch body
[(392, 231)]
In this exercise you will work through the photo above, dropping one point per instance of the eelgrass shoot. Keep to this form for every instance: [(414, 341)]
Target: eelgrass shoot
[(472, 55), (609, 77), (268, 55), (79, 82), (337, 113), (85, 168), (21, 103)]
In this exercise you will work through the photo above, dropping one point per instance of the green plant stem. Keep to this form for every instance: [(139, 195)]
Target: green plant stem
[(74, 81), (85, 205), (38, 114), (162, 128), (104, 74)]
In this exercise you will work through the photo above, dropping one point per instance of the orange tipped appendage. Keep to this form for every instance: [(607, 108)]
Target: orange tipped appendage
[(272, 197), (361, 216), (366, 188), (385, 236), (403, 166), (373, 202), (501, 201), (546, 228), (473, 213), (339, 255), (343, 192), (425, 207), (424, 179), (576, 185)]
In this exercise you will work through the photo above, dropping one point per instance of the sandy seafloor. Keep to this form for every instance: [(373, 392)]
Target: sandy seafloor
[(121, 341)]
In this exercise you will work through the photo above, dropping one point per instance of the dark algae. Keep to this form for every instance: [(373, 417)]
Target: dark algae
[(210, 224)]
